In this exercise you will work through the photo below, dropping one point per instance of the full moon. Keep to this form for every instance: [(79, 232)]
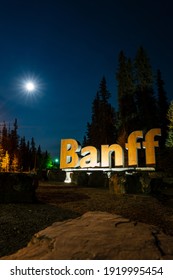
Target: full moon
[(30, 86)]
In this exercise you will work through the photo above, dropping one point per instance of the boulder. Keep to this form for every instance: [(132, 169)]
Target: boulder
[(131, 183), (117, 183), (17, 187), (97, 236)]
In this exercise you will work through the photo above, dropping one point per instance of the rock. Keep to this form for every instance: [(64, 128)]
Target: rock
[(132, 183), (97, 236), (17, 187), (117, 184)]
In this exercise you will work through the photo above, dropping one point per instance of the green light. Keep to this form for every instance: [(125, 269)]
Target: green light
[(49, 165), (56, 160)]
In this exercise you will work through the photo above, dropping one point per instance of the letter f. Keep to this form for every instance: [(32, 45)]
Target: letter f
[(150, 145), (132, 146)]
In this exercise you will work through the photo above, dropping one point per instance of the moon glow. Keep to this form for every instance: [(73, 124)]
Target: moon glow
[(30, 86)]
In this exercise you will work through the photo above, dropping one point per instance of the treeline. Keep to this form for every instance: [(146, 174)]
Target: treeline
[(142, 103), (18, 154)]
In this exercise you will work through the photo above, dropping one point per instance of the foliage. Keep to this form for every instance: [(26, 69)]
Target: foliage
[(142, 104), (169, 142), (18, 155), (5, 162), (144, 93), (126, 88), (102, 129), (163, 106)]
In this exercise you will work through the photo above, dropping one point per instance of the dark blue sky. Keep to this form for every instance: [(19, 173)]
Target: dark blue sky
[(67, 46)]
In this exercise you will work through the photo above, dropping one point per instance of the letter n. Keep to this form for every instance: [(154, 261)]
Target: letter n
[(106, 152)]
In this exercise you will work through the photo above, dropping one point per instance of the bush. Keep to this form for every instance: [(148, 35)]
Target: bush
[(17, 187)]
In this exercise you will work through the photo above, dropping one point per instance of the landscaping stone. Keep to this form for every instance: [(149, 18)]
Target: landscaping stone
[(96, 236)]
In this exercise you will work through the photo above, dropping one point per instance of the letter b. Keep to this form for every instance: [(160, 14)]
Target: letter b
[(68, 156)]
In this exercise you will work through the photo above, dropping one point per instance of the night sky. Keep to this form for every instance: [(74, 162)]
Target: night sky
[(66, 47)]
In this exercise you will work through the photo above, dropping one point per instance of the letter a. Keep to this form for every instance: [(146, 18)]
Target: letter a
[(68, 156), (90, 157)]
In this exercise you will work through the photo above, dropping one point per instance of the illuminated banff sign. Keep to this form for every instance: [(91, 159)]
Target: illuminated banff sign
[(72, 155)]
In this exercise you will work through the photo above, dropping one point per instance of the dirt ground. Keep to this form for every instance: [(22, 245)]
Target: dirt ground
[(58, 202)]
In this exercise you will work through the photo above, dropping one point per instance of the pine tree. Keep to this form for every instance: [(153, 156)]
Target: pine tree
[(145, 99), (93, 128), (169, 141), (126, 101), (15, 153), (4, 138), (33, 154), (22, 150), (106, 115), (39, 158), (15, 164), (13, 142), (5, 164), (1, 156), (47, 161), (24, 155), (162, 108), (102, 129)]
